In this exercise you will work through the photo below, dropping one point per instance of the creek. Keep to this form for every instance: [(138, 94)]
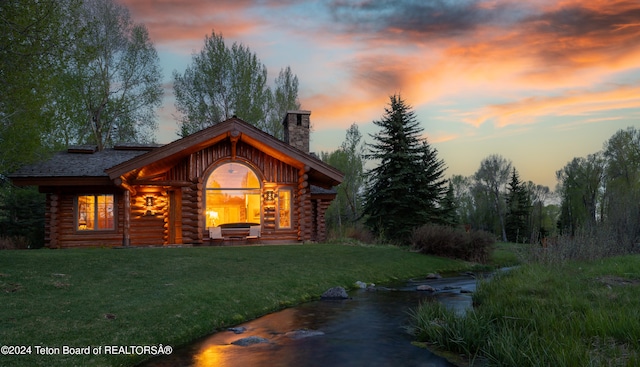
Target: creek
[(371, 328)]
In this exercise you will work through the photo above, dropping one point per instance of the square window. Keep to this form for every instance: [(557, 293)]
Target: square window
[(95, 212)]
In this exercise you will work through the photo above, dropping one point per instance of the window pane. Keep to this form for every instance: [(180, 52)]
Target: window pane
[(85, 212), (233, 176), (232, 206), (105, 212), (95, 212), (232, 195), (284, 208)]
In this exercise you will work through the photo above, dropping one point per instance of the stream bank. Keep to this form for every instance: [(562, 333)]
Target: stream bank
[(371, 328)]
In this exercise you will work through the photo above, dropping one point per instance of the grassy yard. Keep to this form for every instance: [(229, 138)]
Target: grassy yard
[(579, 313), (146, 297)]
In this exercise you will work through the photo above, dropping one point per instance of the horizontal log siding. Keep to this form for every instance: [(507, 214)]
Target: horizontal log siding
[(147, 228)]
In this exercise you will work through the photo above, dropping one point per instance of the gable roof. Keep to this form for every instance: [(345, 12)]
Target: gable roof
[(164, 158), (85, 166)]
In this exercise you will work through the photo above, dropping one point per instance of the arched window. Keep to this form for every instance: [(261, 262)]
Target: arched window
[(232, 195)]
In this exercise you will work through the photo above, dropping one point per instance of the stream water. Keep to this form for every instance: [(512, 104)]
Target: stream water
[(369, 329)]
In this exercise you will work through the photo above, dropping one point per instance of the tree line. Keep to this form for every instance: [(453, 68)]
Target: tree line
[(602, 190), (407, 188)]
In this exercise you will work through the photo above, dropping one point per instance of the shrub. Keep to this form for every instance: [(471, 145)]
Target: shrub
[(360, 233), (591, 243), (452, 242), (21, 217), (13, 243), (356, 233)]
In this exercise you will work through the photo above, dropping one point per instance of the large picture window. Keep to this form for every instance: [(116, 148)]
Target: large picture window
[(95, 212), (232, 195)]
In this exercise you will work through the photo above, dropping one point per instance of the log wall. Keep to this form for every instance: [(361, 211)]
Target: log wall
[(60, 228), (147, 222), (303, 207), (320, 207), (156, 225)]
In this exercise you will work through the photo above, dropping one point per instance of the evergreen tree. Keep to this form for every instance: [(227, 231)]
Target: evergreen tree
[(449, 207), (406, 189), (518, 208)]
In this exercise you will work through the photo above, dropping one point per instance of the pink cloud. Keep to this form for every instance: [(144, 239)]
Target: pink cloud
[(169, 21)]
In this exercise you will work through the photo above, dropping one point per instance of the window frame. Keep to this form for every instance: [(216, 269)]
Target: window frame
[(76, 213), (278, 219), (254, 191)]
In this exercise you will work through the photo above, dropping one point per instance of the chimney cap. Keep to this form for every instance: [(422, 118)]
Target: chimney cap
[(299, 112)]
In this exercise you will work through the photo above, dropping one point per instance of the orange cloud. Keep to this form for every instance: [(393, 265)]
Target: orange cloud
[(440, 137), (527, 110)]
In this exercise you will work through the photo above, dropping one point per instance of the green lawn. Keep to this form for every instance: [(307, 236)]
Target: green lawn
[(108, 297)]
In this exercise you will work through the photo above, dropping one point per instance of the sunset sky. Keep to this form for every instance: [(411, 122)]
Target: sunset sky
[(539, 82)]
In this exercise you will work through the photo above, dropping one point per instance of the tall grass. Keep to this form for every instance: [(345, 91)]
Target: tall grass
[(581, 314), (597, 242)]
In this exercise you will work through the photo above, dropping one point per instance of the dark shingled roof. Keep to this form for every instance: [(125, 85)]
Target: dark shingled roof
[(317, 190), (65, 164)]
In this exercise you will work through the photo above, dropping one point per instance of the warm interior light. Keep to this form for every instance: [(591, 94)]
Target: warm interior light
[(212, 218), (149, 203)]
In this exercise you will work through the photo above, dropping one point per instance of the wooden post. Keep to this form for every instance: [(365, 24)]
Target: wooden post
[(126, 235), (53, 224)]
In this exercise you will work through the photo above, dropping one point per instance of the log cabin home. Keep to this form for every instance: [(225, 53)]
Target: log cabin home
[(230, 176)]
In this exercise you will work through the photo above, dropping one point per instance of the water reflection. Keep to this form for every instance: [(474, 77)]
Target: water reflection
[(370, 329)]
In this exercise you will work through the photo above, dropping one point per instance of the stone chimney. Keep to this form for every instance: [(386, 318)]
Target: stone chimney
[(296, 129)]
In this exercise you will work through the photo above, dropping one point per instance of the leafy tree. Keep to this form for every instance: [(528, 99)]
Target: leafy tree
[(406, 189), (491, 179), (21, 215), (284, 98), (346, 209), (518, 209), (579, 187), (225, 81), (71, 71), (114, 78), (463, 197), (34, 38), (621, 199), (540, 221), (449, 207)]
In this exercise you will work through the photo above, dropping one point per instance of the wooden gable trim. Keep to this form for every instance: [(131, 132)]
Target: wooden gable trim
[(167, 156)]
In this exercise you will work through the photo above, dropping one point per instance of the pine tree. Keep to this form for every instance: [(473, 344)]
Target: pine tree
[(406, 189), (518, 207), (449, 207)]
